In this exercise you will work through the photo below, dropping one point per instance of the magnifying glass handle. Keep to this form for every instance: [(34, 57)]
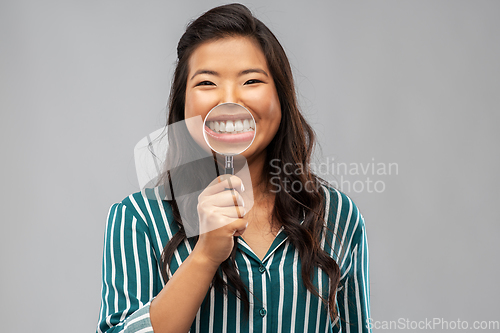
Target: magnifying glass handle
[(228, 165)]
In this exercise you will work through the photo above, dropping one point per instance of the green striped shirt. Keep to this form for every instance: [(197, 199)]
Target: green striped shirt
[(139, 227)]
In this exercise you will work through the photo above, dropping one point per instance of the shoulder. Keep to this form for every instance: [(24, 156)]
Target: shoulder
[(340, 208), (344, 222), (148, 206)]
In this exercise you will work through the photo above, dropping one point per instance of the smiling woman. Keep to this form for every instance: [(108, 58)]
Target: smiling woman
[(294, 261)]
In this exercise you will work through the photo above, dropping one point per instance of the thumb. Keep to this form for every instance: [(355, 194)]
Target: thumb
[(239, 227)]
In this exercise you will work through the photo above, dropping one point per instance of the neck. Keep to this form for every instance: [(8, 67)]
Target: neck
[(256, 167), (259, 180)]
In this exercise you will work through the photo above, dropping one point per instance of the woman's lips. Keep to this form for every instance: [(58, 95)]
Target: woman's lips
[(233, 137)]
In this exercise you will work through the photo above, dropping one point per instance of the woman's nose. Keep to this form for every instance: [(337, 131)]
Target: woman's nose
[(230, 95)]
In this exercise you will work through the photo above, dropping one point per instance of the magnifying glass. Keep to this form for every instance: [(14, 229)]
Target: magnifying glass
[(229, 129)]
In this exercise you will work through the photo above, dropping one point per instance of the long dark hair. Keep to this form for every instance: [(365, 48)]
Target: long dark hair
[(291, 146)]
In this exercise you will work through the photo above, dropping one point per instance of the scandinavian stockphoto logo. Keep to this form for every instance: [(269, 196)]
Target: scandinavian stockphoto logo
[(357, 177)]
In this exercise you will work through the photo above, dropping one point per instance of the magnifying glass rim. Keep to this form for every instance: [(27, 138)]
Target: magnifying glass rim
[(205, 134)]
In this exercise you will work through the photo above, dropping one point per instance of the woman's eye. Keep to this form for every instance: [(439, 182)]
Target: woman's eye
[(206, 83), (253, 81)]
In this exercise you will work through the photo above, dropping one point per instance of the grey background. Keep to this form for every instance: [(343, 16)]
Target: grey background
[(409, 82)]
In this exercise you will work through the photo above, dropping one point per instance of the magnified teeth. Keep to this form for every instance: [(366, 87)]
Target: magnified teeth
[(238, 126), (231, 126)]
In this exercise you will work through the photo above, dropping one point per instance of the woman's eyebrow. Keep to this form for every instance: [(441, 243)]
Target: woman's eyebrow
[(246, 71), (204, 71), (253, 70)]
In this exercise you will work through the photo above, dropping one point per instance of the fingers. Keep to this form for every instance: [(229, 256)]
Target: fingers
[(229, 198), (234, 212), (222, 183), (235, 202), (217, 217), (221, 205), (228, 223)]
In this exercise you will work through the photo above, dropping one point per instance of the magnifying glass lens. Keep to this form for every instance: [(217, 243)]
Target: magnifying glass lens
[(229, 129)]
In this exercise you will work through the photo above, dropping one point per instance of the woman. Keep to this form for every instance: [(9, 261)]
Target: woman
[(295, 261)]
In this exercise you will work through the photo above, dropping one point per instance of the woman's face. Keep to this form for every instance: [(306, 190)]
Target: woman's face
[(233, 69)]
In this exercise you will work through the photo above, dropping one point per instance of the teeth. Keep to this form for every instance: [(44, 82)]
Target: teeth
[(230, 126), (238, 126)]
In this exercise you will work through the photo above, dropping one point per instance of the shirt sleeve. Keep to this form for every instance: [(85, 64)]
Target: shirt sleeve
[(128, 274), (353, 296)]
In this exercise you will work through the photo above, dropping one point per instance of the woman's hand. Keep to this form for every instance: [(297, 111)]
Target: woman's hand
[(221, 211)]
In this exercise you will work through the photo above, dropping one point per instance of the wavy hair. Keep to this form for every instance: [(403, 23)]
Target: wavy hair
[(291, 147)]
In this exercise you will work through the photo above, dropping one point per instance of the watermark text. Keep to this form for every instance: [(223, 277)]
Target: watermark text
[(432, 324)]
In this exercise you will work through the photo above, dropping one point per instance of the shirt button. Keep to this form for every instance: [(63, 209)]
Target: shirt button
[(262, 312), (262, 269)]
